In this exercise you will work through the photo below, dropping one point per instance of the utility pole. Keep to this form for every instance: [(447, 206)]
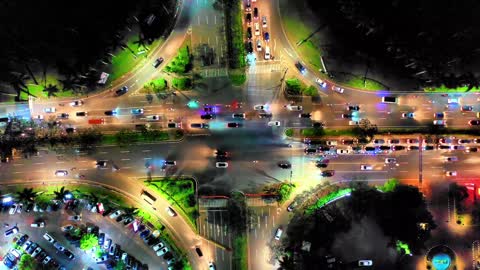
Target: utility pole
[(420, 162)]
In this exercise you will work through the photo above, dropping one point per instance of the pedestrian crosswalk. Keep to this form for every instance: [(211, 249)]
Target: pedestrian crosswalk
[(265, 67), (213, 72)]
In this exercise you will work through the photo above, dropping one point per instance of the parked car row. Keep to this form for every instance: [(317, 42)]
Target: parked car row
[(37, 252)]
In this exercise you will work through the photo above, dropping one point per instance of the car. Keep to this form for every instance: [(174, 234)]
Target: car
[(412, 147), (301, 67), (25, 246), (50, 110), (273, 123), (248, 18), (265, 115), (249, 33), (378, 141), (305, 115), (457, 147), (292, 206), (443, 147), (257, 29), (107, 244), (451, 173), (137, 111), (450, 159), (13, 209), (121, 91), (69, 254), (101, 239), (111, 250), (162, 251), (158, 246), (365, 263), (248, 6), (310, 150), (440, 122), (36, 252), (31, 248), (471, 149), (389, 99), (320, 82), (153, 118), (62, 116), (409, 115), (348, 142), (464, 141), (347, 115), (474, 122), (439, 115), (259, 45), (366, 167), (233, 125), (353, 123), (101, 259), (338, 89), (49, 238), (250, 47), (211, 266), (260, 107), (22, 240), (221, 154), (101, 163), (174, 125), (116, 214), (38, 224), (199, 125), (284, 165), (331, 142), (238, 115), (397, 147), (38, 117), (75, 218), (61, 173), (291, 107), (278, 233), (255, 13), (342, 151), (170, 211), (70, 130), (8, 262), (110, 113), (328, 173), (76, 103), (158, 62), (11, 231), (353, 108), (393, 141), (266, 36), (390, 160), (168, 163), (144, 234), (221, 165), (59, 247), (466, 108), (264, 21), (80, 114), (207, 116), (412, 141), (67, 228)]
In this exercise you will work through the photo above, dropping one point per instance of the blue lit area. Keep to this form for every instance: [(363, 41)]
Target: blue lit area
[(441, 261), (193, 104), (217, 125)]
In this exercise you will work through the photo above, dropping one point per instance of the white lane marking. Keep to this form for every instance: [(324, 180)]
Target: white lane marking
[(103, 152), (127, 151), (144, 151), (126, 167), (147, 158), (125, 159), (17, 172), (83, 169), (60, 162), (215, 19), (18, 164), (38, 163), (206, 18), (208, 41), (198, 20), (83, 161)]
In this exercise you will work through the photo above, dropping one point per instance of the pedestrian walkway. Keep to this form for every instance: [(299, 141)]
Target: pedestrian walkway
[(266, 67), (213, 72)]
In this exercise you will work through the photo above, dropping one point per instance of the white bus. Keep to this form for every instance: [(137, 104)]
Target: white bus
[(148, 197)]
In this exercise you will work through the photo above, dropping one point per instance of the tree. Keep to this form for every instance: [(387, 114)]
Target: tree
[(182, 83), (237, 213), (156, 85), (88, 138), (286, 262), (27, 195), (310, 91), (51, 90), (126, 137), (293, 86), (27, 262), (60, 194), (130, 212), (88, 241), (365, 131)]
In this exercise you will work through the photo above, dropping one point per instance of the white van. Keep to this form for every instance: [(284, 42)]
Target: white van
[(267, 53), (278, 234), (389, 100)]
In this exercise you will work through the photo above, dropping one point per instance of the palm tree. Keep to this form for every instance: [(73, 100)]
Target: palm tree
[(51, 90), (131, 212), (27, 195), (18, 82), (60, 195), (286, 263), (142, 43)]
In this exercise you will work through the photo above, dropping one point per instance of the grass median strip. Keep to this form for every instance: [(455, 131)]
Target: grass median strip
[(179, 192), (239, 256)]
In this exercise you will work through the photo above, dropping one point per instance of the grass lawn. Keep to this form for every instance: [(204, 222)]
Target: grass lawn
[(371, 85), (237, 76), (37, 90), (180, 193), (341, 132), (297, 29), (109, 139), (124, 60), (239, 256), (444, 89)]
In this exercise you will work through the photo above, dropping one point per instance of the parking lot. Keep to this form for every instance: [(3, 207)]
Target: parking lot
[(124, 236)]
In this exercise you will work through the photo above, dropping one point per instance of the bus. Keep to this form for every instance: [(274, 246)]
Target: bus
[(96, 121), (148, 197)]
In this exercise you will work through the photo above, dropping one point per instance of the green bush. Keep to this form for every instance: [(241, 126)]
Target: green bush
[(182, 63), (326, 199), (310, 91), (126, 137), (88, 241), (289, 132), (182, 83), (234, 33), (239, 256), (312, 132), (237, 77), (156, 86), (284, 192), (294, 86)]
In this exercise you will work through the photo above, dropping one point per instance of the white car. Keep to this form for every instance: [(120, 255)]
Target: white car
[(67, 228), (76, 103), (257, 29), (221, 165), (211, 266), (366, 167), (353, 123), (342, 151), (49, 110), (260, 107), (153, 118), (259, 45), (49, 238), (291, 107), (171, 212), (450, 159), (59, 247), (61, 173), (47, 260), (278, 234), (116, 214), (365, 263), (39, 224), (321, 83), (36, 252), (338, 89), (390, 160), (13, 209), (75, 218), (158, 246), (162, 251), (264, 21), (273, 123), (439, 122), (331, 143), (451, 173)]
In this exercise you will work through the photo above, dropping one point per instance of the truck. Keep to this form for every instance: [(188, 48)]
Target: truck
[(96, 121)]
